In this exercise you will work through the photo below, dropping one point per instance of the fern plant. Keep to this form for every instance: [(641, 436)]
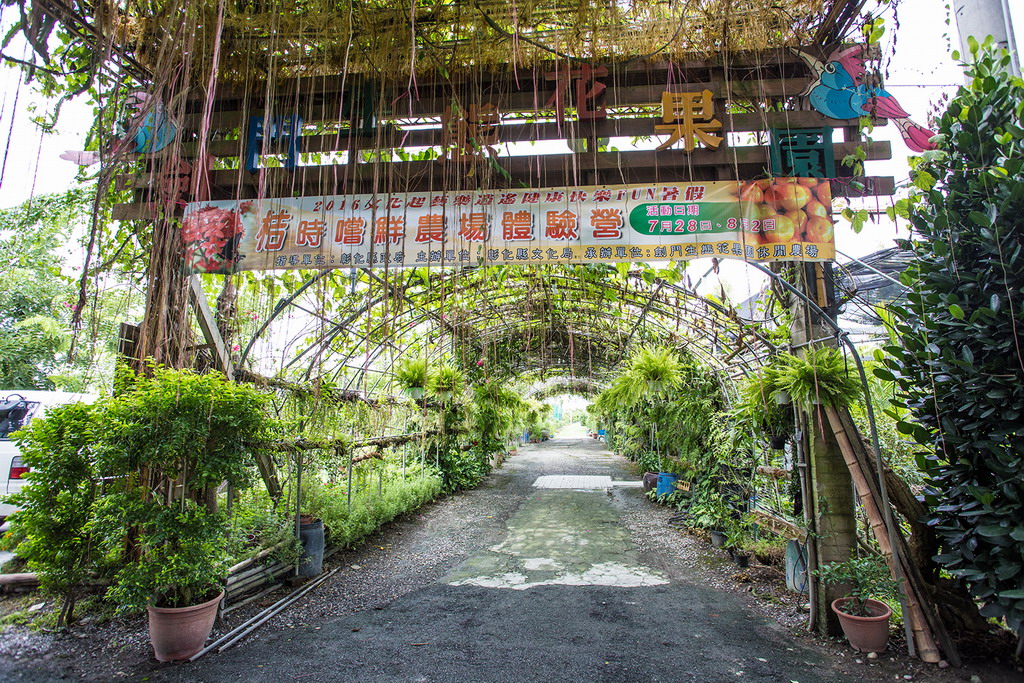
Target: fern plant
[(447, 382), (412, 374), (821, 377)]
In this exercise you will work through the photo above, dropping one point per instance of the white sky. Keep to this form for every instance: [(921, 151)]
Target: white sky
[(918, 74)]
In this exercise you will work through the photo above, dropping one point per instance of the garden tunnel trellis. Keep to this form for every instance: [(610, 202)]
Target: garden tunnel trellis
[(376, 78), (489, 316)]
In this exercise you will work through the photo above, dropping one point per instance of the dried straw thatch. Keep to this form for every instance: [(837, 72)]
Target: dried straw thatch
[(389, 39)]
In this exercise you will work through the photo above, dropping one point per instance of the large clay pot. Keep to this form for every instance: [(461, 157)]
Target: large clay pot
[(179, 632), (867, 634)]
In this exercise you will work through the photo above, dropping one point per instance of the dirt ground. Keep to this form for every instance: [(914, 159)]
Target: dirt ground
[(406, 566)]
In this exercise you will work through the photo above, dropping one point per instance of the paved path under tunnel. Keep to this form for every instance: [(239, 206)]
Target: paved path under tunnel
[(544, 584)]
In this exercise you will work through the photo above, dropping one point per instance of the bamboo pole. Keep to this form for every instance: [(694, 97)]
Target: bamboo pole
[(913, 613)]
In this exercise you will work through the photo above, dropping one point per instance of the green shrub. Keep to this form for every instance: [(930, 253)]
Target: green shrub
[(958, 359), (182, 557), (56, 501), (370, 509)]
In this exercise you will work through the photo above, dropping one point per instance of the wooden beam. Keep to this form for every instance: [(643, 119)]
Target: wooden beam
[(207, 323), (328, 107), (875, 186), (740, 64), (675, 164), (390, 137)]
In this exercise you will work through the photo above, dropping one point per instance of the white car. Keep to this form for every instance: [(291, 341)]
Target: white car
[(17, 409)]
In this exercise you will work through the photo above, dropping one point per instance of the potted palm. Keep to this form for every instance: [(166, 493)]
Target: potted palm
[(863, 617), (413, 377)]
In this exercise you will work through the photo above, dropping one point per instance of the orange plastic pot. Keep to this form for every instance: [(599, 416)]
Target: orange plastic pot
[(867, 634), (177, 633)]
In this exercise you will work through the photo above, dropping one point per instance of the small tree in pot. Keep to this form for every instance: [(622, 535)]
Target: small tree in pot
[(864, 618), (168, 442)]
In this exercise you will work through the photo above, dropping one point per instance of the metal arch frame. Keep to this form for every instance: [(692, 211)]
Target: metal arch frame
[(541, 386), (642, 307), (423, 316)]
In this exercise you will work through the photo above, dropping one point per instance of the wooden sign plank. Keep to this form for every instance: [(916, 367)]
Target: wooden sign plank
[(392, 138)]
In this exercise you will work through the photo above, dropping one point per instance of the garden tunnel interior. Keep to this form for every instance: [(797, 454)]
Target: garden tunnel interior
[(546, 329)]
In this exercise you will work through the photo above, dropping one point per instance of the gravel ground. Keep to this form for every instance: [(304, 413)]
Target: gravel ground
[(406, 560)]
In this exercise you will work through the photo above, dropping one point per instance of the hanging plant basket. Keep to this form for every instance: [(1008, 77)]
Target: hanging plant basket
[(777, 441)]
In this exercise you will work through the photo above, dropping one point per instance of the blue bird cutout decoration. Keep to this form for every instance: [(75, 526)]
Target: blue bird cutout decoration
[(148, 131), (839, 92)]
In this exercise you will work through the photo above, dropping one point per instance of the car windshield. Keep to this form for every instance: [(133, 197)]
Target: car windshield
[(15, 413)]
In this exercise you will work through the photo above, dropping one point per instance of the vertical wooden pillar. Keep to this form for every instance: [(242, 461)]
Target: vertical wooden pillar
[(831, 495)]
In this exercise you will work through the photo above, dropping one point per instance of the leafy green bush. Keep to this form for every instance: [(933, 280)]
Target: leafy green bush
[(257, 523), (190, 426), (370, 509), (958, 363), (56, 502), (161, 447), (497, 412), (464, 468)]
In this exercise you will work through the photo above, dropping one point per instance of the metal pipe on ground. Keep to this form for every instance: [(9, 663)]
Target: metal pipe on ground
[(232, 637)]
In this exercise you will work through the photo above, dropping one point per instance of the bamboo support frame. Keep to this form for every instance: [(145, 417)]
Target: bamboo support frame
[(920, 615)]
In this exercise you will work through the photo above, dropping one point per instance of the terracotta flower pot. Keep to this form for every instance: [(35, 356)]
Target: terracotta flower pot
[(867, 634), (179, 632)]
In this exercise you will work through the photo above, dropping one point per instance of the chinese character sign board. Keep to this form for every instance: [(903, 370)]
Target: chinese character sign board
[(780, 219), (802, 152)]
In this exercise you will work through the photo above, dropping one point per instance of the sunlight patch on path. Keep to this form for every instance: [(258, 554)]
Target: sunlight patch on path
[(561, 537)]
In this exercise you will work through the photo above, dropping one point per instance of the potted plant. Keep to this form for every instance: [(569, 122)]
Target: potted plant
[(178, 572), (736, 541), (657, 367), (864, 618), (448, 382), (759, 407), (413, 377), (169, 441), (821, 377)]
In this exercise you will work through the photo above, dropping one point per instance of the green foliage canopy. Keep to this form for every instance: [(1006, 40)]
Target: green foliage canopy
[(959, 363)]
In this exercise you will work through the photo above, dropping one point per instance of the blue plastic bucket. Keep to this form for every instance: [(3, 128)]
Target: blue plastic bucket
[(666, 483)]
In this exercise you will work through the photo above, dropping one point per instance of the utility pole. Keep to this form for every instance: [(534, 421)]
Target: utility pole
[(981, 18), (829, 499)]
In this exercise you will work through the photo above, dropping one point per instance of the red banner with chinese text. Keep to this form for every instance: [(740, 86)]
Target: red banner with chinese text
[(782, 219)]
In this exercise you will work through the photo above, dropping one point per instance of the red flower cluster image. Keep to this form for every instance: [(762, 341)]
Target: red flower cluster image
[(211, 236)]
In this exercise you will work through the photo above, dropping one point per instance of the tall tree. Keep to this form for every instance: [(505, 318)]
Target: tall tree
[(39, 292)]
